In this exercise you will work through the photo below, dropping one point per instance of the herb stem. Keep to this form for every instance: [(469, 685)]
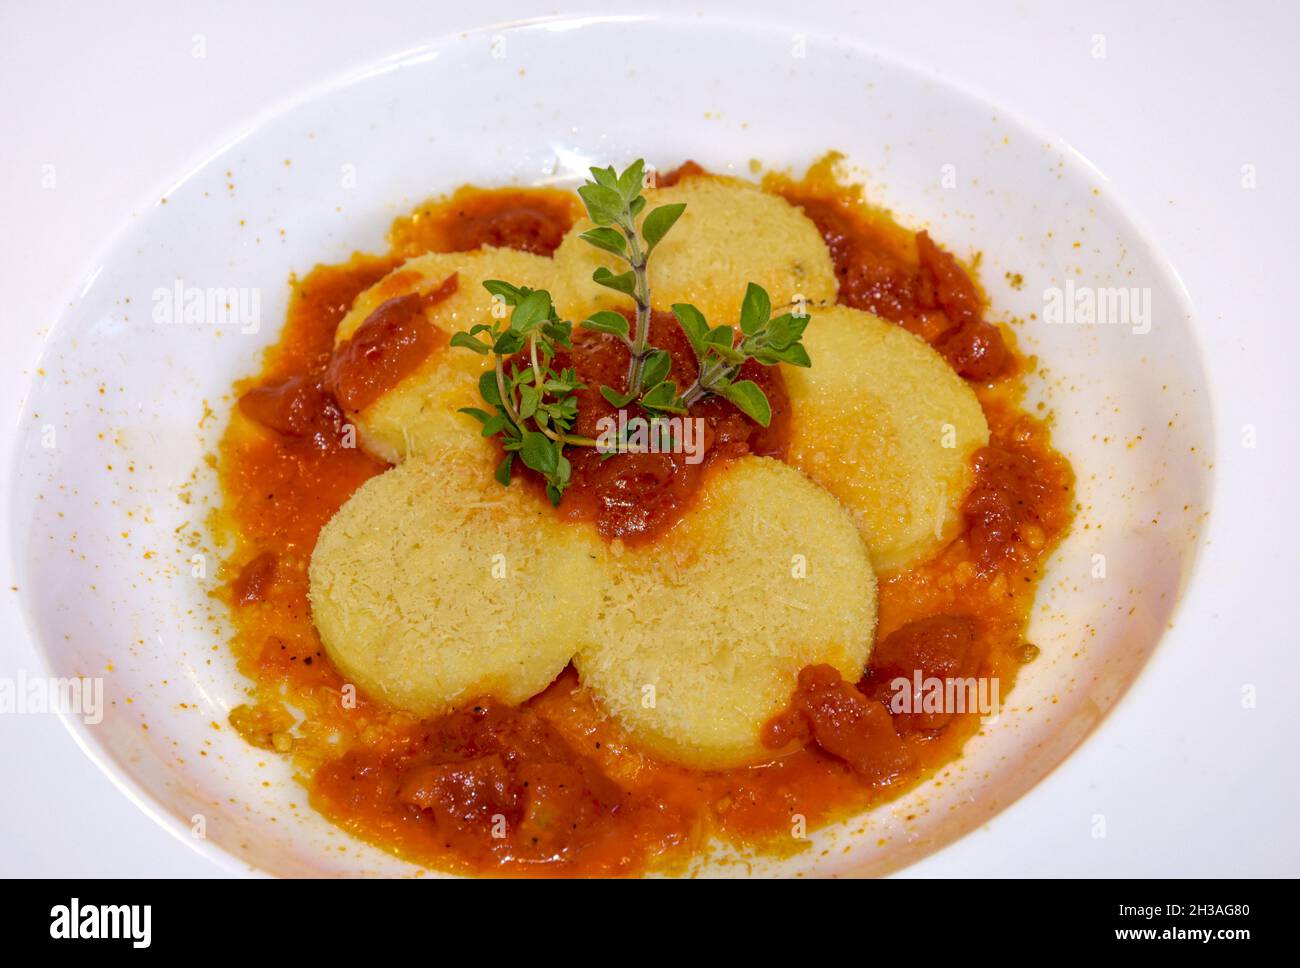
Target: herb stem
[(537, 370), (638, 260), (538, 380), (705, 381), (507, 398)]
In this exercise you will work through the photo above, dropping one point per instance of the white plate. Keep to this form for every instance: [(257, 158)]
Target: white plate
[(98, 513)]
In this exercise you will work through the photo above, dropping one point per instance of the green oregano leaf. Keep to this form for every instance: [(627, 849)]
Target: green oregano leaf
[(623, 282), (487, 388), (657, 365), (611, 240), (693, 325), (604, 205), (751, 400), (502, 474), (663, 396), (632, 180), (529, 398), (509, 293), (755, 309), (659, 221), (539, 452), (607, 321), (533, 310), (469, 342), (615, 399)]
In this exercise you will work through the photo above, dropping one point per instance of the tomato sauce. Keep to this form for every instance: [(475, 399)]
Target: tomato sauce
[(531, 220), (637, 496), (571, 793), (388, 346), (905, 278)]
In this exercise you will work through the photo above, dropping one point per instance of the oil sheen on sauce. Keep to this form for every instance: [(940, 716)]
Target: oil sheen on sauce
[(571, 793)]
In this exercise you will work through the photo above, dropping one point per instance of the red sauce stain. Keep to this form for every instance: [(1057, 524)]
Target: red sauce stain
[(390, 345), (576, 794)]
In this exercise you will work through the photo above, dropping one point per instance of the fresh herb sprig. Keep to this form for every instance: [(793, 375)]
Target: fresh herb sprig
[(535, 406), (765, 339), (614, 202)]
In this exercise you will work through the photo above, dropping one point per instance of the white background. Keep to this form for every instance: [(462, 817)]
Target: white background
[(1188, 781)]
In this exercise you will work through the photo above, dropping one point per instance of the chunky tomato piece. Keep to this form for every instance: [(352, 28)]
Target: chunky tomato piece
[(844, 723), (944, 283), (930, 650), (1017, 501), (463, 794), (255, 579), (299, 407)]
